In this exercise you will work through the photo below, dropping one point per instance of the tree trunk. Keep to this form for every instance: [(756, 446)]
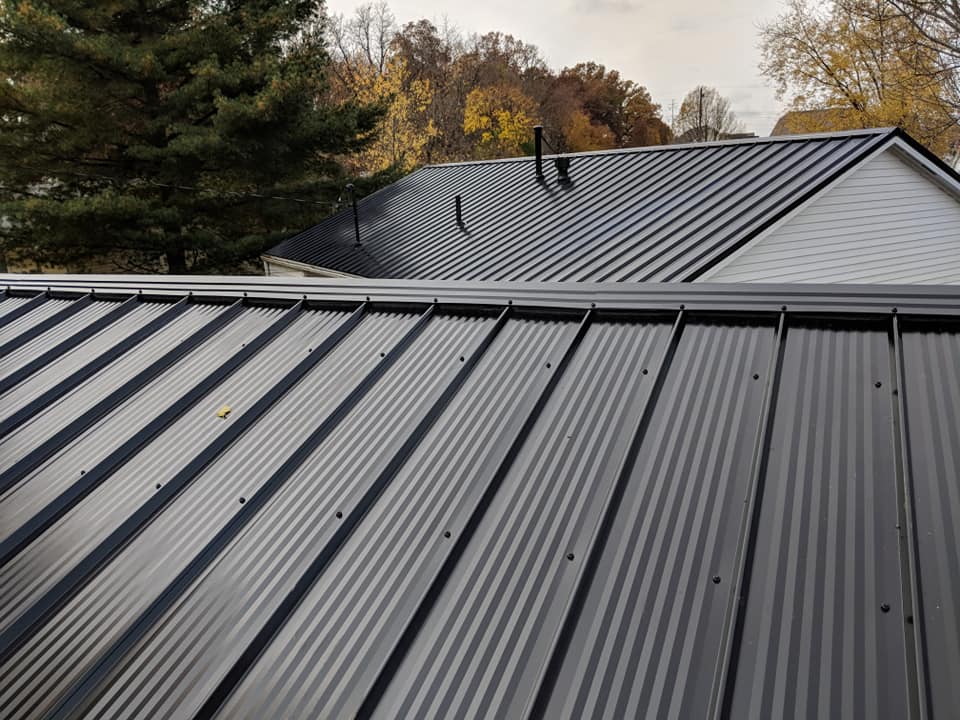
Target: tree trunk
[(176, 261)]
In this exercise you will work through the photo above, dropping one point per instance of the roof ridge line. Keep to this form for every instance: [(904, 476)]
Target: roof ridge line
[(838, 134)]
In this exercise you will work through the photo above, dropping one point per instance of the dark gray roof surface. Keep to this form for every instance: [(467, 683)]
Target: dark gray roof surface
[(456, 500), (656, 213)]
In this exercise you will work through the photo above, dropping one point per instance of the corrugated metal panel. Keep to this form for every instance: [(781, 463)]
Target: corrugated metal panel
[(932, 400), (816, 640), (485, 509), (885, 222), (646, 641), (658, 213)]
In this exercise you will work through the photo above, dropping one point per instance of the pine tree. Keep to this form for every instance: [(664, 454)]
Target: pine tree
[(143, 130)]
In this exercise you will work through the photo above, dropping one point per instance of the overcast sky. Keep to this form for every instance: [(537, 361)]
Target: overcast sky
[(670, 47)]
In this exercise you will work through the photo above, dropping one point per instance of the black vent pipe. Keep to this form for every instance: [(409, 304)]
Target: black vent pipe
[(356, 215), (538, 148)]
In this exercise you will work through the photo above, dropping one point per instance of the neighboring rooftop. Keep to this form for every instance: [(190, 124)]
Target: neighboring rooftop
[(827, 119), (269, 498), (666, 213)]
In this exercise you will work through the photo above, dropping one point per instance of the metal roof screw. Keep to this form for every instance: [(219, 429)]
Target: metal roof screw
[(243, 294), (569, 556), (548, 365), (895, 392), (683, 307), (83, 472), (909, 619), (446, 534), (461, 358), (645, 371), (368, 298), (877, 383), (884, 608), (509, 302), (593, 304), (383, 354), (434, 299), (894, 311), (242, 500), (716, 579), (756, 376), (158, 486), (339, 514)]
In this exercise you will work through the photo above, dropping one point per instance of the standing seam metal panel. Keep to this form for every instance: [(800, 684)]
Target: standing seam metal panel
[(623, 216)]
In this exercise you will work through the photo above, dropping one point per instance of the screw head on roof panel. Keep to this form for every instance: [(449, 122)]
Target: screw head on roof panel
[(339, 514), (446, 534), (877, 383), (242, 500), (884, 607), (570, 556), (716, 579)]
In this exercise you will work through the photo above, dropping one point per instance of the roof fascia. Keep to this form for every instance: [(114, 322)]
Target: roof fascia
[(306, 267)]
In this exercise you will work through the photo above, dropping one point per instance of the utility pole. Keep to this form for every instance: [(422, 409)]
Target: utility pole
[(700, 129)]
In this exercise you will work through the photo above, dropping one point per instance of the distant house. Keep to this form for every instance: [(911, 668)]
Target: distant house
[(865, 206), (827, 120)]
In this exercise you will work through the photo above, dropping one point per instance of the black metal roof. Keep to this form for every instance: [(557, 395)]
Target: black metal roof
[(266, 498), (665, 213)]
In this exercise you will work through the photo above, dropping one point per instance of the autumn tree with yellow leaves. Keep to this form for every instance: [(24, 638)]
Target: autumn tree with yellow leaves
[(857, 63), (448, 97), (501, 118)]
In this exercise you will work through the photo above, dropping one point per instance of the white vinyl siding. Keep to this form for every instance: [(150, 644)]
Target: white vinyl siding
[(277, 270), (886, 222)]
